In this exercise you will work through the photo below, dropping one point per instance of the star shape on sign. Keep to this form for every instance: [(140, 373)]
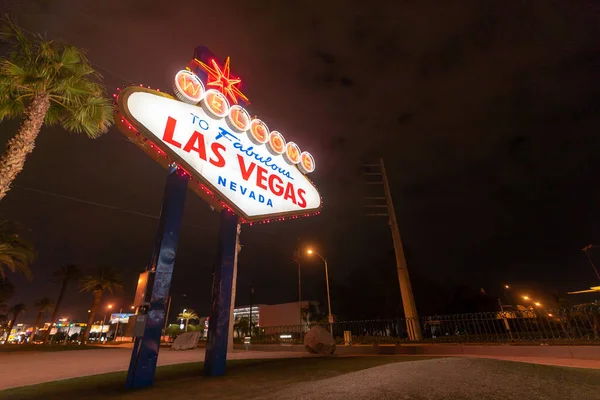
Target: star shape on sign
[(221, 79)]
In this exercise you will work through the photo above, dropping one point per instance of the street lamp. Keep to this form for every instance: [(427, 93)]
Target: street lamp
[(311, 252), (525, 297), (108, 308)]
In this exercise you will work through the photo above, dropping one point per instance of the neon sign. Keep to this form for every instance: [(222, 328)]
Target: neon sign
[(221, 79), (238, 162), (188, 87)]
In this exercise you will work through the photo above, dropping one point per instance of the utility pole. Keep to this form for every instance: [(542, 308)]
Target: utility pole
[(251, 301), (585, 250), (297, 261), (413, 325)]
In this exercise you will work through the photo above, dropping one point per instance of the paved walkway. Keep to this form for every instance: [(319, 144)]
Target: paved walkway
[(29, 368), (451, 378)]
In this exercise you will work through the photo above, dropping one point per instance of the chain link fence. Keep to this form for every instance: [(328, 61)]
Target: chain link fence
[(575, 325)]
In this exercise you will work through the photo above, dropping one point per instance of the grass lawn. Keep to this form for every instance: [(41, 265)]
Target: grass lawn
[(245, 379), (11, 348)]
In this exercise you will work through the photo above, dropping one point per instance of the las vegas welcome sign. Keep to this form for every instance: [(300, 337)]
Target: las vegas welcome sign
[(237, 161)]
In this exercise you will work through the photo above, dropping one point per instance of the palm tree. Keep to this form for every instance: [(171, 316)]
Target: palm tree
[(67, 273), (187, 315), (15, 310), (16, 253), (105, 279), (46, 82), (43, 305)]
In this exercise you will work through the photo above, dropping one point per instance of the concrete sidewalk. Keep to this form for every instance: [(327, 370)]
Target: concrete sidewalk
[(32, 367)]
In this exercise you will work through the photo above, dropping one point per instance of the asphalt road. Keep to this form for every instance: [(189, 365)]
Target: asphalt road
[(454, 379)]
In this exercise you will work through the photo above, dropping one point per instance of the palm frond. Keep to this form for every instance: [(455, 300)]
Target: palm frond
[(104, 279), (93, 117), (11, 107), (16, 253), (44, 304), (14, 35)]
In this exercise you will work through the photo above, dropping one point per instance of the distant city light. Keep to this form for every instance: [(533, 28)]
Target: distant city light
[(525, 297), (309, 251), (550, 315), (506, 287), (285, 336), (538, 304)]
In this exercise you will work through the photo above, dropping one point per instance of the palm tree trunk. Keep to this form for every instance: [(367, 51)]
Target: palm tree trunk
[(186, 324), (11, 325), (37, 323), (94, 310), (56, 307), (23, 142)]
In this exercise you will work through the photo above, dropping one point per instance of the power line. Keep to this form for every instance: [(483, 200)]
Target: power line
[(113, 208), (111, 73)]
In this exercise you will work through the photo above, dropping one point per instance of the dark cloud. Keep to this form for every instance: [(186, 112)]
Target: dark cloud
[(486, 114)]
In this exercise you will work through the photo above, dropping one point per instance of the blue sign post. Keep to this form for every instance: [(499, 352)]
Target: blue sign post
[(220, 307), (145, 350)]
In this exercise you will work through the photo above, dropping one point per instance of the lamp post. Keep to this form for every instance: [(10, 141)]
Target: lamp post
[(311, 252), (297, 261), (251, 301), (108, 308)]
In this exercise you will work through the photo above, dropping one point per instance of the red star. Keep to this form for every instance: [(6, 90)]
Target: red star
[(222, 80)]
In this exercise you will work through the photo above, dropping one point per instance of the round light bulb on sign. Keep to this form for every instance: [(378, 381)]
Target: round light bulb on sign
[(188, 87), (238, 119), (276, 143), (307, 162), (215, 104), (292, 153), (258, 132)]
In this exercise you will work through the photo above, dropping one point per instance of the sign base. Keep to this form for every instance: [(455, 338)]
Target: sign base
[(218, 325), (144, 356)]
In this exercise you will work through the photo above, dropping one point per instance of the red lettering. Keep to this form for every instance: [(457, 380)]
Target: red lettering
[(302, 200), (169, 131), (246, 172), (277, 189), (198, 138), (217, 148), (289, 193), (261, 177)]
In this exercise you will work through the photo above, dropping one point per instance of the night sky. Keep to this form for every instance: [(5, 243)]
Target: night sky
[(486, 112)]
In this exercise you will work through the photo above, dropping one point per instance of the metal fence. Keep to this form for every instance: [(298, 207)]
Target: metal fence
[(564, 325)]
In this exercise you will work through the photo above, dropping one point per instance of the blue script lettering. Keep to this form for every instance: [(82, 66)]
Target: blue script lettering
[(201, 123), (265, 161)]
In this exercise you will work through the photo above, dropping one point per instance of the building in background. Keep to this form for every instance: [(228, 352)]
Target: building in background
[(264, 315)]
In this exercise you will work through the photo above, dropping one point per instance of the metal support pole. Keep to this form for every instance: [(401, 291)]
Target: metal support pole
[(408, 301), (218, 327), (117, 327), (144, 356), (328, 297), (233, 292), (251, 301), (300, 295)]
